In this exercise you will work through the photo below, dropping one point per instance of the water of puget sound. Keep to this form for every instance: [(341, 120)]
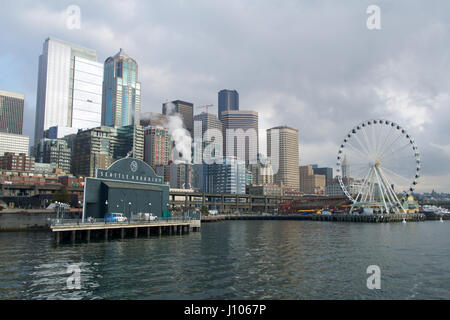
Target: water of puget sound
[(236, 260)]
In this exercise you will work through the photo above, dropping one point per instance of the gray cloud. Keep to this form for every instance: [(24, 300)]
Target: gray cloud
[(312, 65)]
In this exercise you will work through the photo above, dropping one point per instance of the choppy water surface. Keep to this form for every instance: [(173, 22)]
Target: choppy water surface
[(236, 260)]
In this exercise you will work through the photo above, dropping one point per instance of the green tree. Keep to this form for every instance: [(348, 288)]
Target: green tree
[(61, 196), (204, 210)]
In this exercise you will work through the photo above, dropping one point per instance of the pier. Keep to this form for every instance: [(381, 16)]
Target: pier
[(74, 230)]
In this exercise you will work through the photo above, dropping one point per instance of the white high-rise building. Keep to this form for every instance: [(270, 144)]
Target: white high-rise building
[(15, 143), (69, 92)]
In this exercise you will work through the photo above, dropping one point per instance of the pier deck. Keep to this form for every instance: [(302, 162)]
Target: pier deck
[(77, 230)]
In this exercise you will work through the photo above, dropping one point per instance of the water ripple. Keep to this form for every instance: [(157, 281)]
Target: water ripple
[(236, 260)]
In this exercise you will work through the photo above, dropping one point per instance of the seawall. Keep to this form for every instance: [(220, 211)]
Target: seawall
[(15, 220)]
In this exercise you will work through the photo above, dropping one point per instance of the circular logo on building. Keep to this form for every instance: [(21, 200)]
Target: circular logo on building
[(133, 166)]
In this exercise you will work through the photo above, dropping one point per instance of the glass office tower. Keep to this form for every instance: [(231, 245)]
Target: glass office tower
[(121, 91), (228, 100), (69, 92)]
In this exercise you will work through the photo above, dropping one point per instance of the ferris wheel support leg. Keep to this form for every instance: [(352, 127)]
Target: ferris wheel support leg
[(393, 193), (390, 193), (363, 186), (386, 195)]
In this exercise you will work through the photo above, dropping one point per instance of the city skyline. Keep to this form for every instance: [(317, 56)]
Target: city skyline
[(398, 80)]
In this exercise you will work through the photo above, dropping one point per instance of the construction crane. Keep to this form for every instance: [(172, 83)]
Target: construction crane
[(205, 107)]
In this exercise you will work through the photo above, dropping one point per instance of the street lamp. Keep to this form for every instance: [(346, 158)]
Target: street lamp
[(123, 206), (129, 208)]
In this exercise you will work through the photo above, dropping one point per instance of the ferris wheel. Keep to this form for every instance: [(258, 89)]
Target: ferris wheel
[(378, 165)]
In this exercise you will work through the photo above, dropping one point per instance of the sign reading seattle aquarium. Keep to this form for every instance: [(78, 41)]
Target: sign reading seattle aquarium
[(133, 174)]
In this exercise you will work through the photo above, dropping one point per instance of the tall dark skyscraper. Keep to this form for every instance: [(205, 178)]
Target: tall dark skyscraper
[(228, 100), (186, 110), (11, 112)]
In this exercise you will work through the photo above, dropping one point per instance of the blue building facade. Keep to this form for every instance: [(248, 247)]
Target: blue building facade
[(227, 175), (121, 101)]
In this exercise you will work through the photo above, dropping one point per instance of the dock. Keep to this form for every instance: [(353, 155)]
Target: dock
[(77, 230)]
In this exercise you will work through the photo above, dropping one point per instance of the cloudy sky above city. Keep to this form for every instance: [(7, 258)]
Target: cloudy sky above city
[(312, 65)]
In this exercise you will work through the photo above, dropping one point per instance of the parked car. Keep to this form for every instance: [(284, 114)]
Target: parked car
[(115, 217), (152, 217)]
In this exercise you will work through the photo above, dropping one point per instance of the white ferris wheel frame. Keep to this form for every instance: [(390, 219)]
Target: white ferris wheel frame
[(388, 201)]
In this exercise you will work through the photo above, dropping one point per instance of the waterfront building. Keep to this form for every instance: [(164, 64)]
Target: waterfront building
[(177, 175), (248, 177), (199, 177), (226, 175), (284, 154), (240, 135), (186, 111), (121, 91), (334, 188), (69, 92), (327, 172), (309, 182), (211, 129), (180, 175), (56, 152), (11, 112), (15, 143), (44, 168), (291, 192), (128, 186), (99, 147), (16, 162), (157, 146), (262, 174), (228, 100)]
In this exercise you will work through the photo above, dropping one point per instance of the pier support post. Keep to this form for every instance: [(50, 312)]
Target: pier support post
[(181, 230), (73, 235), (148, 232), (57, 237), (106, 234), (122, 233), (135, 232), (160, 230), (88, 235)]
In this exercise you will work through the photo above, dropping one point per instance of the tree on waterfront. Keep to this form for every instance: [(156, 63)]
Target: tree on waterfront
[(204, 210), (62, 196)]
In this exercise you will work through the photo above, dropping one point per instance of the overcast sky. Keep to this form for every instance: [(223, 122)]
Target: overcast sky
[(312, 65)]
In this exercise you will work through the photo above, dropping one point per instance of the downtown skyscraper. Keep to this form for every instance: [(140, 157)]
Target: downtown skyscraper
[(121, 91), (11, 112), (282, 148), (228, 100), (186, 111), (69, 92), (240, 135)]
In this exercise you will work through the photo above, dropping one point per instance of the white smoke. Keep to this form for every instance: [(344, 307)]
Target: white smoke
[(179, 134)]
